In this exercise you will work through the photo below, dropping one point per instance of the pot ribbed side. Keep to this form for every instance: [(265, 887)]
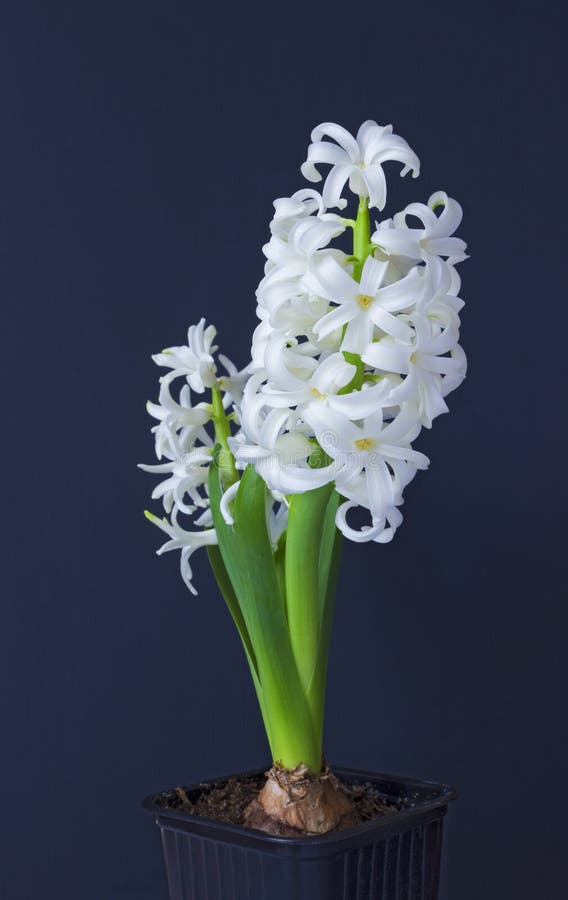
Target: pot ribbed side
[(403, 866)]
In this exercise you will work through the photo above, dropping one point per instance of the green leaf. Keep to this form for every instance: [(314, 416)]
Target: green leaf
[(250, 565), (226, 588), (330, 559), (306, 515), (329, 539), (280, 563)]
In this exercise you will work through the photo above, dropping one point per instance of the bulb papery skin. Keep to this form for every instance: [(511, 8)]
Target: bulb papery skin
[(353, 355)]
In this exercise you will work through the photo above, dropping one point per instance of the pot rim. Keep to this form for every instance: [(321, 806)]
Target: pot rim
[(417, 812)]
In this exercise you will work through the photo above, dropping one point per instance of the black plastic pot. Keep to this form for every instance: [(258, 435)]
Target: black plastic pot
[(396, 857)]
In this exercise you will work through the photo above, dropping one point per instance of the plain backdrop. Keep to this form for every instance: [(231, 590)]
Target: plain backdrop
[(142, 144)]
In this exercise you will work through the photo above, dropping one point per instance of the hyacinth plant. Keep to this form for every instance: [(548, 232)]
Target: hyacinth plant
[(356, 351)]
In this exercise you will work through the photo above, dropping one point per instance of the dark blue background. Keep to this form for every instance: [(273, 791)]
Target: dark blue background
[(141, 147)]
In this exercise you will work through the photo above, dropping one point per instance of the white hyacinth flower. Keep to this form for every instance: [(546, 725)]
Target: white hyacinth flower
[(175, 417), (365, 304), (322, 389), (283, 464), (381, 530), (187, 474), (286, 360), (273, 440), (233, 383), (358, 160), (294, 318), (372, 448), (291, 256), (186, 541), (289, 210), (289, 261), (435, 238), (195, 361), (432, 362)]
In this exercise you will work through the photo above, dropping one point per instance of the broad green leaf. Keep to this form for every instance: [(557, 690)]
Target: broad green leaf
[(306, 516), (250, 565), (226, 588)]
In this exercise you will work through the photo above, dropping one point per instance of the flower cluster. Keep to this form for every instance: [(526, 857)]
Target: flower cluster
[(183, 441), (354, 354), (355, 351)]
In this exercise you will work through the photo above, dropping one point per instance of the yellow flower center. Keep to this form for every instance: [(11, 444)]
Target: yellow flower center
[(364, 300), (318, 394), (365, 443)]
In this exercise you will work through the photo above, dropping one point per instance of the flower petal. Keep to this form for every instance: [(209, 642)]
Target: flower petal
[(358, 334), (388, 356), (341, 136), (226, 499), (372, 276), (399, 241), (376, 183), (339, 316), (390, 324), (334, 184), (366, 533), (334, 282)]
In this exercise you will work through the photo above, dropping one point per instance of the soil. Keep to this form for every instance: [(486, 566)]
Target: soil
[(226, 801)]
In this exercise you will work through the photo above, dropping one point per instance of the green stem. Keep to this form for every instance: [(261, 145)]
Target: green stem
[(362, 249), (362, 246), (225, 459)]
